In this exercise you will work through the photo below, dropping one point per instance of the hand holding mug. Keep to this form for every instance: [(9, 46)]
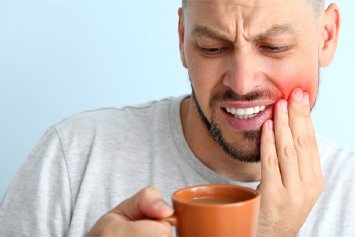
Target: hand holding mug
[(139, 215)]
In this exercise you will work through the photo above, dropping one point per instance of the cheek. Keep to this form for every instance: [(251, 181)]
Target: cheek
[(205, 75), (305, 79)]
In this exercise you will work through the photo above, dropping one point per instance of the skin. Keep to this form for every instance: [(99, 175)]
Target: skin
[(285, 63), (244, 66), (137, 216)]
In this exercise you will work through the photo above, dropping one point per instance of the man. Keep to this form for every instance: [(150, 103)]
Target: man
[(254, 71)]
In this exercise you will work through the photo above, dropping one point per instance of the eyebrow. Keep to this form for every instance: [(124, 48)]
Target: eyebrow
[(201, 30), (276, 30)]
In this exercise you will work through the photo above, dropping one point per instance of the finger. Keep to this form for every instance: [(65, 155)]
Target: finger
[(172, 220), (286, 151), (147, 203), (270, 172), (314, 145), (303, 133), (146, 228)]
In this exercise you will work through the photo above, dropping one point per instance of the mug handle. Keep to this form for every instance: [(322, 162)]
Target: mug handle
[(172, 220)]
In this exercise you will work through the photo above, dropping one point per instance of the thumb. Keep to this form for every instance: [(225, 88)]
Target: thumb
[(147, 203)]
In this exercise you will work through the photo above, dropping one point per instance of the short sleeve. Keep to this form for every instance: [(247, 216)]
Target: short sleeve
[(38, 201)]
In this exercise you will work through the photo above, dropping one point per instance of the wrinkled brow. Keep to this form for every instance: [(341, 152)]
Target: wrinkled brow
[(201, 30), (275, 30)]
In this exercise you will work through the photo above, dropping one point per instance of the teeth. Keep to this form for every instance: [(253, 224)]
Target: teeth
[(239, 112), (246, 113)]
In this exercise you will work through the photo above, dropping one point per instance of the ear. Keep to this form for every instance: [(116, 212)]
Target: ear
[(181, 30), (330, 26)]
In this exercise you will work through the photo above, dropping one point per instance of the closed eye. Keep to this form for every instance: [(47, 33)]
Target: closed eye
[(275, 48), (211, 51)]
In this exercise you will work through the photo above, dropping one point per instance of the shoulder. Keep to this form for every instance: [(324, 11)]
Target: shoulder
[(106, 118), (335, 205), (118, 124), (338, 163), (332, 151)]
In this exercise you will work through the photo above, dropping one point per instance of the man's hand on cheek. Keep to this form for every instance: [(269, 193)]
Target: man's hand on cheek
[(290, 167)]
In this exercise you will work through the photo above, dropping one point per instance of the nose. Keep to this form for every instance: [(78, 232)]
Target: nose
[(243, 73)]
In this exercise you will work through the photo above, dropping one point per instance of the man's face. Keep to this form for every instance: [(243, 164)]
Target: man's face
[(242, 56)]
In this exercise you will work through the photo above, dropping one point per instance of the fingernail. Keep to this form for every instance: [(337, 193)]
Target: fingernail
[(306, 98), (298, 95), (283, 106), (161, 205)]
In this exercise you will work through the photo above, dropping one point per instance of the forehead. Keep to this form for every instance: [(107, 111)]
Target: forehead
[(248, 15), (248, 3)]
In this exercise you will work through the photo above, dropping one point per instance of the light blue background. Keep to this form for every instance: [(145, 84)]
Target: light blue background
[(62, 57)]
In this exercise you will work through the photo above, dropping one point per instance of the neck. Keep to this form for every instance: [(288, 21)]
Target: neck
[(209, 152)]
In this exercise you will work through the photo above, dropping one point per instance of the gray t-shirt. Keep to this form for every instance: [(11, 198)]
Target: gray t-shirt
[(87, 164)]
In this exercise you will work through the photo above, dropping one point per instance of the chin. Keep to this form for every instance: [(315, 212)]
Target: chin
[(244, 146)]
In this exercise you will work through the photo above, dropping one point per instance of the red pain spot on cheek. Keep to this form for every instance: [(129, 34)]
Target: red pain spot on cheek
[(312, 92), (306, 87), (287, 89)]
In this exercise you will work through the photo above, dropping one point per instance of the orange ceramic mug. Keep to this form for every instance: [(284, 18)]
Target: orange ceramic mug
[(216, 210)]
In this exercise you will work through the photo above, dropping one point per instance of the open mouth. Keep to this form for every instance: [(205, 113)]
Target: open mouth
[(243, 117), (245, 113)]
